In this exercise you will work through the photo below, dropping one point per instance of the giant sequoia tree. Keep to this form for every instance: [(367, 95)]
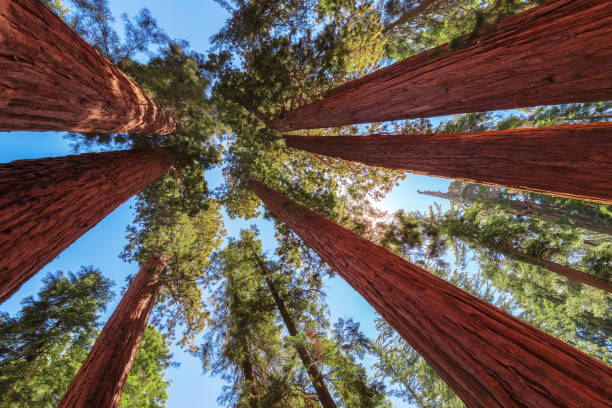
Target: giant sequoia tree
[(53, 80), (467, 366), (577, 314), (172, 243), (511, 64), (564, 160), (47, 204), (101, 378)]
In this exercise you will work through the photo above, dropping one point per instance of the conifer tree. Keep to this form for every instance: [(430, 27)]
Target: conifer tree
[(524, 240), (265, 287), (101, 378), (559, 211), (560, 160)]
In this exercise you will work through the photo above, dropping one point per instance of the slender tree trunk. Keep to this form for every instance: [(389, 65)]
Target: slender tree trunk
[(571, 161), (247, 372), (318, 382), (46, 204), (246, 365), (411, 14), (416, 396), (100, 380), (53, 80), (570, 273), (519, 207), (559, 52), (488, 357)]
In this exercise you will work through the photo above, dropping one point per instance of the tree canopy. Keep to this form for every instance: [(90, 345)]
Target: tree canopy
[(258, 317)]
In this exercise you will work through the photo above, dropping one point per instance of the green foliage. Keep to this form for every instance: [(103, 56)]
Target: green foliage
[(445, 22), (243, 342), (93, 21), (57, 7), (43, 346), (185, 236), (278, 55), (145, 386), (246, 329), (593, 219)]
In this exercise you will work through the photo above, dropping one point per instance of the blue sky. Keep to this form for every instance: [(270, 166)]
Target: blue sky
[(195, 21)]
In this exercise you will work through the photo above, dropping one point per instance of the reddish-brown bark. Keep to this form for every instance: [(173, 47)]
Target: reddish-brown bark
[(570, 161), (46, 204), (100, 380), (558, 52), (53, 80), (489, 358)]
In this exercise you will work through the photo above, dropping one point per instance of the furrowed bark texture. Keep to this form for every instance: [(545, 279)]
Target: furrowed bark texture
[(46, 204), (489, 358), (53, 80), (559, 52), (317, 379), (100, 380), (570, 161)]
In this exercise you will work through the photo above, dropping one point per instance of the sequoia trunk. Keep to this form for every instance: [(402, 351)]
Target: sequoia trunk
[(488, 357), (570, 161), (559, 52), (53, 80), (100, 380), (315, 375), (46, 204)]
